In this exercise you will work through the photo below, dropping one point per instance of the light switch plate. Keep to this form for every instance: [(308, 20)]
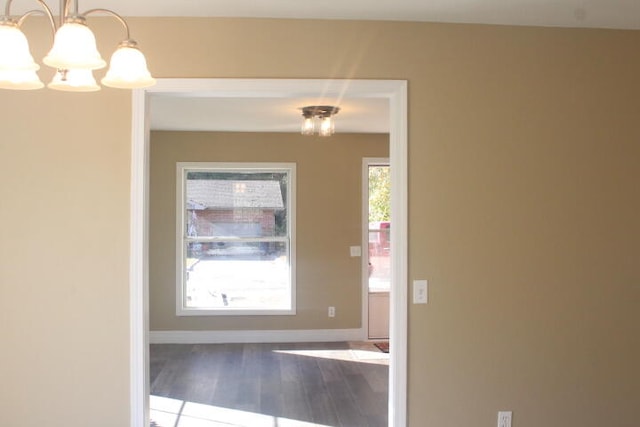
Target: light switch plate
[(504, 418), (420, 292), (355, 251)]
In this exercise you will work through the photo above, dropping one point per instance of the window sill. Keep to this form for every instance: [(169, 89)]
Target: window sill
[(233, 312)]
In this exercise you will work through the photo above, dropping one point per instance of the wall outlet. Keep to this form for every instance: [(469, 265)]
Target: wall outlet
[(332, 312), (504, 418)]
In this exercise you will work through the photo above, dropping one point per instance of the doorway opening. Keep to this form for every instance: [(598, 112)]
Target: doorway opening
[(392, 91)]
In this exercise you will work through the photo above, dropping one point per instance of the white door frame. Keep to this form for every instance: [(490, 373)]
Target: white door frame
[(395, 91), (366, 162)]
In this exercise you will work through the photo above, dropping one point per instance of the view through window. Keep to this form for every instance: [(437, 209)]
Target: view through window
[(236, 238)]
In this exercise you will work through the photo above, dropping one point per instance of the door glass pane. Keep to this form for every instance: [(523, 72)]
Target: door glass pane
[(379, 256), (379, 228)]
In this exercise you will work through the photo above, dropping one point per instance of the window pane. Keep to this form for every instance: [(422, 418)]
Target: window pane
[(236, 204), (237, 275)]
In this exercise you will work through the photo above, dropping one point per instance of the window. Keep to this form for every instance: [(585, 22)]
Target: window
[(235, 238)]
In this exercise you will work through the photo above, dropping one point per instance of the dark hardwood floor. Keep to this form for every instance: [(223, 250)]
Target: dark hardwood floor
[(275, 385)]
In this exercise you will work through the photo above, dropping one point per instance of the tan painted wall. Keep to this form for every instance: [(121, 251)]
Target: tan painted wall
[(524, 206), (64, 233), (328, 221)]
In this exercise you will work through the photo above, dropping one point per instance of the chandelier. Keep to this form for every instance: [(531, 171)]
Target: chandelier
[(319, 117), (73, 55)]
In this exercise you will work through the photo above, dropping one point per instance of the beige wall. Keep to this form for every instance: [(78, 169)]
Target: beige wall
[(64, 233), (524, 206), (328, 221)]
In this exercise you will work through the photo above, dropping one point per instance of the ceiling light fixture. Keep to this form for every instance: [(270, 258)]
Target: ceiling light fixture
[(74, 54), (319, 117)]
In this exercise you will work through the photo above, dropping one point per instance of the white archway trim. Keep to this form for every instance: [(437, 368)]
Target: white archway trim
[(395, 91)]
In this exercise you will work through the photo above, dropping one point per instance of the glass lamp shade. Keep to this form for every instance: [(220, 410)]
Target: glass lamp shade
[(74, 47), (327, 127), (74, 81), (14, 50), (308, 126), (20, 80), (128, 69)]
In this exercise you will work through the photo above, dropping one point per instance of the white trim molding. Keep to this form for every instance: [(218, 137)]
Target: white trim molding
[(270, 336), (398, 161), (394, 91), (138, 264)]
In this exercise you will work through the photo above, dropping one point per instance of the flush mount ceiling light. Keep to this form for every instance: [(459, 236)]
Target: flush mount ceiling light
[(74, 54), (319, 117)]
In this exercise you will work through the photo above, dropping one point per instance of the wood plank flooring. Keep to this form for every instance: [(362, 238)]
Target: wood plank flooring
[(274, 385)]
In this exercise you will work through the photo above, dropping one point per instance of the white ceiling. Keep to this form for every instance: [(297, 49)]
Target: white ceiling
[(185, 112), (565, 13), (357, 115)]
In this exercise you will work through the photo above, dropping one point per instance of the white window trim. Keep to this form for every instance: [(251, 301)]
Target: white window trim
[(181, 169)]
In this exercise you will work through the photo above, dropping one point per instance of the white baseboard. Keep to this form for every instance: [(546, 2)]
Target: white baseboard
[(219, 337)]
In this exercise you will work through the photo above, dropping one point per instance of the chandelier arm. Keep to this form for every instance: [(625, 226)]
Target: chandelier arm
[(39, 12), (7, 9), (64, 9), (46, 11), (112, 13)]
